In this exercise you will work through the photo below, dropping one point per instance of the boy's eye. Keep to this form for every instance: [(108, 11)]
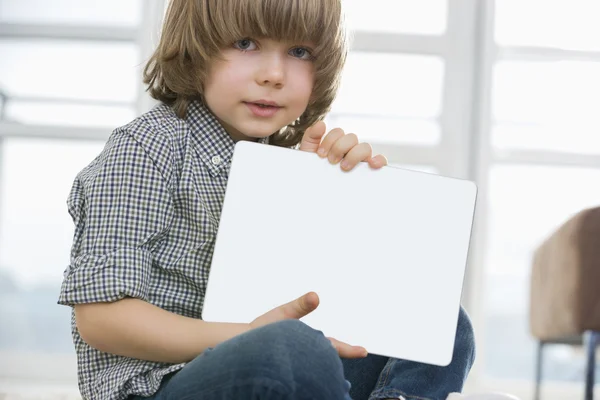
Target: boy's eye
[(302, 53), (245, 44)]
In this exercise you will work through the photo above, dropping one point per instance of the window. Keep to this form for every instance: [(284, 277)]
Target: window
[(427, 17), (538, 164), (70, 74), (35, 238), (577, 20), (409, 108), (106, 13), (486, 90), (527, 202), (546, 105), (82, 83), (395, 80)]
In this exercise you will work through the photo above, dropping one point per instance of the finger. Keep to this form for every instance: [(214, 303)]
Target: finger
[(312, 137), (360, 152), (347, 351), (378, 161), (342, 146), (300, 307), (330, 139)]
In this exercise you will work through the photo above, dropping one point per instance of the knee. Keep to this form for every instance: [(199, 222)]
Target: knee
[(300, 354), (464, 346), (287, 358), (295, 338)]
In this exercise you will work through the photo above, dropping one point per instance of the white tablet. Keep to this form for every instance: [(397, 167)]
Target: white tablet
[(385, 250)]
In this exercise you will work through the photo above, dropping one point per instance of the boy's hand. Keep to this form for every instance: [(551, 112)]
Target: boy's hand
[(339, 146), (297, 309)]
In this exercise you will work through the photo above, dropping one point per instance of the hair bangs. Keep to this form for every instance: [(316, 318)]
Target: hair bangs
[(313, 21)]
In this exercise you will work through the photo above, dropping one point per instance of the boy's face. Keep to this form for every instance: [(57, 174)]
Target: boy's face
[(278, 75)]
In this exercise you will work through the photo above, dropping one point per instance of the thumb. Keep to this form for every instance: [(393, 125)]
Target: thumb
[(300, 307), (295, 309), (312, 137)]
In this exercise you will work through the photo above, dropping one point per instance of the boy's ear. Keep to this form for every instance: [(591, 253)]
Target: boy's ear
[(312, 137)]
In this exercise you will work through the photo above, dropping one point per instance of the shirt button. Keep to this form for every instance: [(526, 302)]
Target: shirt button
[(216, 160)]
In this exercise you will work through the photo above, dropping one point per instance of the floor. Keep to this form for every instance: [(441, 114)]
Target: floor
[(39, 396), (12, 391)]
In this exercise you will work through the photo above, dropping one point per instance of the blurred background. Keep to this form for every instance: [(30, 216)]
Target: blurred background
[(505, 93)]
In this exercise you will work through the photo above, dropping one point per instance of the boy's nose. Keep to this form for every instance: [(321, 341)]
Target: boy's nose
[(271, 71)]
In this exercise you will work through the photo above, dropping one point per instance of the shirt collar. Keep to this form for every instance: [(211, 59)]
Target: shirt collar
[(214, 145)]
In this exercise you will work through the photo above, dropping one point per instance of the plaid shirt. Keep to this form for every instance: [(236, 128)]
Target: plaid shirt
[(146, 213)]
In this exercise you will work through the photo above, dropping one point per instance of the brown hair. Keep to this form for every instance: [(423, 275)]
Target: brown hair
[(195, 31)]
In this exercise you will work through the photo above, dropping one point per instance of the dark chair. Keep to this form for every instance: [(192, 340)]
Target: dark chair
[(591, 339), (565, 291)]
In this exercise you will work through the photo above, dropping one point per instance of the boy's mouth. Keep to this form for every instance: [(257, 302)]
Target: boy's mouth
[(264, 103), (263, 108)]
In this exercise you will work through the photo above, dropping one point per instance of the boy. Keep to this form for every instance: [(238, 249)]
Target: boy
[(147, 208)]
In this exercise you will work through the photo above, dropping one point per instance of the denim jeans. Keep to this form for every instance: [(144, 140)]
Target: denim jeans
[(289, 360)]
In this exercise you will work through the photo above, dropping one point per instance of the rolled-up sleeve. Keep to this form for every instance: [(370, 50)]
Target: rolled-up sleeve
[(122, 208)]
